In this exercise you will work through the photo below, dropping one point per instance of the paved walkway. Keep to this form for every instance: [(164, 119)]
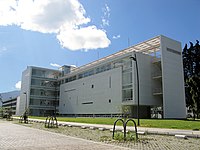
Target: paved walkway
[(17, 137), (188, 133)]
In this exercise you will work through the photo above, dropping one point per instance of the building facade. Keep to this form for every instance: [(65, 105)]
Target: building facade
[(9, 105), (39, 91), (109, 86)]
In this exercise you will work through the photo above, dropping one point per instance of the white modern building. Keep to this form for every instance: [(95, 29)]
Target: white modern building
[(103, 87), (39, 91), (9, 105)]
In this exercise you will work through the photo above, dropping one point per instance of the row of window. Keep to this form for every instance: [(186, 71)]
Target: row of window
[(41, 92), (88, 73), (45, 83), (45, 73), (126, 64), (40, 102)]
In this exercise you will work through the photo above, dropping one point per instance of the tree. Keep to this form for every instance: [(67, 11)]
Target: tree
[(191, 64), (194, 83)]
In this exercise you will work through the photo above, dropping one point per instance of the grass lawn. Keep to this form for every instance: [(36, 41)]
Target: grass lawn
[(156, 123)]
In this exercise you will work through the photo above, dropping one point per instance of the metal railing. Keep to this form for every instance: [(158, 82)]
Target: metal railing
[(24, 118), (51, 122), (124, 127)]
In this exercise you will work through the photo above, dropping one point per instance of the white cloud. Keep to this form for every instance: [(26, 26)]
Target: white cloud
[(55, 65), (73, 66), (49, 16), (105, 22), (18, 85), (116, 37), (2, 50), (83, 38), (106, 15)]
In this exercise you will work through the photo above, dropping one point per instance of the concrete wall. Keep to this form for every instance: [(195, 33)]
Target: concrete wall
[(173, 80), (91, 95), (17, 106), (25, 87), (145, 81)]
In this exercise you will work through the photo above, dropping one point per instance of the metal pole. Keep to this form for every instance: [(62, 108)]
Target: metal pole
[(55, 99), (1, 105), (11, 105), (138, 89), (25, 101), (1, 100)]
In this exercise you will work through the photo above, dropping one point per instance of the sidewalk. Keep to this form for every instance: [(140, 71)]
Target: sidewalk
[(18, 137), (161, 131)]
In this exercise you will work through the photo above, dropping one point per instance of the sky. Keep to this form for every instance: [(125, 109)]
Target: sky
[(52, 33)]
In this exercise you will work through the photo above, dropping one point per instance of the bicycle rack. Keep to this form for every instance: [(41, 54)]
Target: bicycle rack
[(51, 122), (9, 117), (135, 128), (115, 125), (124, 127), (20, 119), (23, 118)]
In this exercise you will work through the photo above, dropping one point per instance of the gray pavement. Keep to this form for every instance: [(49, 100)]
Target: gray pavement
[(17, 137), (188, 133)]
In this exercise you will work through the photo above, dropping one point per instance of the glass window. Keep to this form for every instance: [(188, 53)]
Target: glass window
[(98, 70), (80, 76), (127, 63), (127, 78), (127, 94)]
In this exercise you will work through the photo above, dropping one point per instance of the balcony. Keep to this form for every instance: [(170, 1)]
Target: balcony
[(156, 60), (157, 75), (157, 91), (127, 99)]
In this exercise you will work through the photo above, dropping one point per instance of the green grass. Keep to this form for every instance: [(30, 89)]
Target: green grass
[(154, 123)]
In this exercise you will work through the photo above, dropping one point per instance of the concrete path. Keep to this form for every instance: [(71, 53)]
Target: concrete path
[(188, 133), (18, 137)]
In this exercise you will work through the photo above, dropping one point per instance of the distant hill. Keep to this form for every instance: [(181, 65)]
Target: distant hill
[(7, 95)]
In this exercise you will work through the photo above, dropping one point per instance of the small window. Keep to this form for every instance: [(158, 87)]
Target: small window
[(92, 86), (110, 82), (87, 103), (109, 100)]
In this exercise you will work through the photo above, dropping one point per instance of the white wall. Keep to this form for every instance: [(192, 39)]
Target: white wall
[(173, 80), (145, 81), (75, 93), (26, 77), (17, 106)]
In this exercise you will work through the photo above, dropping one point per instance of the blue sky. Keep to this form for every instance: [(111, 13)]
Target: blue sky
[(50, 33)]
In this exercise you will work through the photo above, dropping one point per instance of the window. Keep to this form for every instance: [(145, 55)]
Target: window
[(91, 72), (127, 78), (66, 80), (103, 68), (40, 73), (109, 100), (110, 82), (97, 70), (127, 64), (92, 86), (87, 103), (127, 94), (80, 76)]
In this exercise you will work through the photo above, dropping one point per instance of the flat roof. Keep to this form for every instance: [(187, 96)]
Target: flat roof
[(147, 47)]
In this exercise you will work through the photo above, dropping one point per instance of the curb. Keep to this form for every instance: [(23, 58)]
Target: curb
[(71, 124)]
